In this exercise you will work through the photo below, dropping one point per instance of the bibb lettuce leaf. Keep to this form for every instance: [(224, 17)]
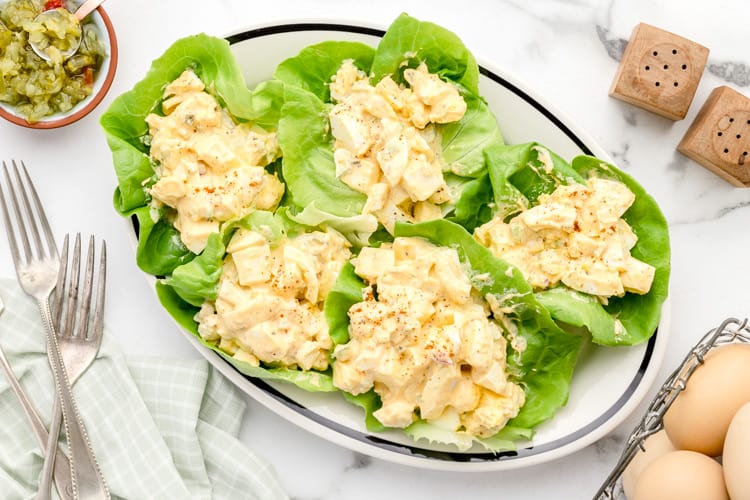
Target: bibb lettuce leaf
[(304, 131), (124, 122), (519, 176), (543, 367)]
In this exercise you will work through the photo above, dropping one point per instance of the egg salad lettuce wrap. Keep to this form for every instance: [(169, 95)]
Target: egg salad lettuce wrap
[(305, 130), (542, 366), (160, 250), (191, 285), (520, 174)]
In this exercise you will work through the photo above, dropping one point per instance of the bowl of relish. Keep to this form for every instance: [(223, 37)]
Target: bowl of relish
[(43, 94)]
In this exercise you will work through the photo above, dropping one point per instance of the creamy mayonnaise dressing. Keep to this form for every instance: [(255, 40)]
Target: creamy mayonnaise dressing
[(574, 235), (209, 168), (385, 143), (270, 303), (423, 340)]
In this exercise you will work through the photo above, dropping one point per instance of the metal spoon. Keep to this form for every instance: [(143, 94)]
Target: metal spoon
[(83, 10)]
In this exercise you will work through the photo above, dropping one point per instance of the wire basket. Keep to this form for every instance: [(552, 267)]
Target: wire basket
[(729, 331)]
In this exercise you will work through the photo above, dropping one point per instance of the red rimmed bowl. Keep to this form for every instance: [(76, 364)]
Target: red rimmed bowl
[(102, 83)]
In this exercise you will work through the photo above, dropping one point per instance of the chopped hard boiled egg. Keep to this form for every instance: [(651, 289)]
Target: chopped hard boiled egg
[(574, 235), (385, 143), (425, 343), (210, 169), (270, 300)]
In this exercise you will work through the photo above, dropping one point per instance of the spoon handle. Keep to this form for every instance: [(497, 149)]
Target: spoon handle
[(87, 8)]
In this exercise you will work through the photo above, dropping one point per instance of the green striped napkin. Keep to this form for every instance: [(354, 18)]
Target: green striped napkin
[(160, 428)]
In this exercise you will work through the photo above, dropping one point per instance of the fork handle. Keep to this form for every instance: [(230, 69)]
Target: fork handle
[(53, 464), (61, 470), (88, 481)]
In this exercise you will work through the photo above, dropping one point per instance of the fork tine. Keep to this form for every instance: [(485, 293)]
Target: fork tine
[(29, 218), (56, 304), (21, 194), (88, 279), (98, 325), (14, 249), (51, 246), (73, 279)]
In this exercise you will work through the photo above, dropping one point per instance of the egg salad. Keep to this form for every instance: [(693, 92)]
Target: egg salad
[(574, 235), (386, 144), (456, 327), (425, 342), (270, 298), (209, 168)]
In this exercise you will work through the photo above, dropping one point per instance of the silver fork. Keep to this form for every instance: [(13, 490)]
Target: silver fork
[(37, 270), (79, 333), (63, 480)]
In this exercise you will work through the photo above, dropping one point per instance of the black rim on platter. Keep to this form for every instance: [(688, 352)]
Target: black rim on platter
[(415, 450)]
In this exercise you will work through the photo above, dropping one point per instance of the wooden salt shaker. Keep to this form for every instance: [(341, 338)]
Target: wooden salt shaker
[(659, 71)]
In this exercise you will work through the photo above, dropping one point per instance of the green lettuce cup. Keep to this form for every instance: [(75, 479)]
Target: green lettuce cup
[(520, 174), (127, 133), (543, 366), (305, 131), (193, 285)]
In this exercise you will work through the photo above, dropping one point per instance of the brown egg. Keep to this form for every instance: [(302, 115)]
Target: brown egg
[(681, 475), (699, 418), (736, 457), (654, 447)]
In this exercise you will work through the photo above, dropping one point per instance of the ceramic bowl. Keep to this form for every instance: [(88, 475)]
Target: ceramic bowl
[(102, 83)]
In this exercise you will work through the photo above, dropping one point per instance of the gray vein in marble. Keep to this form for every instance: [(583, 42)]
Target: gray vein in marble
[(360, 462), (605, 13), (556, 13), (608, 445), (614, 46), (609, 449), (737, 73), (305, 498), (678, 164), (621, 156), (630, 117), (718, 214), (727, 210)]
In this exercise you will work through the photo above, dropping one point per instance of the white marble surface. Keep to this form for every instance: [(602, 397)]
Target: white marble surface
[(568, 52)]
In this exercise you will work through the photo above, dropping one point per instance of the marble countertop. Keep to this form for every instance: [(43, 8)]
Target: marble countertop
[(568, 52)]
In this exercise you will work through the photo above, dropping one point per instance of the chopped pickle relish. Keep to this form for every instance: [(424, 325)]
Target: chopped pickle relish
[(36, 88)]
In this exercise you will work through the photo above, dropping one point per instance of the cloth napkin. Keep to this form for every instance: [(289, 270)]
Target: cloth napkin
[(159, 428)]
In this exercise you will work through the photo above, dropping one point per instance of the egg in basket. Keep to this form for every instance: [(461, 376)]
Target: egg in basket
[(694, 441)]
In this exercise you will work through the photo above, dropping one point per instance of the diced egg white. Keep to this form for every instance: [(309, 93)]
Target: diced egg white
[(269, 305), (424, 342), (385, 144), (575, 235), (209, 169)]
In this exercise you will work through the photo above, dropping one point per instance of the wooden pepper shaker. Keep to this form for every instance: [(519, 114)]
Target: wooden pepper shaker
[(719, 137), (659, 71)]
